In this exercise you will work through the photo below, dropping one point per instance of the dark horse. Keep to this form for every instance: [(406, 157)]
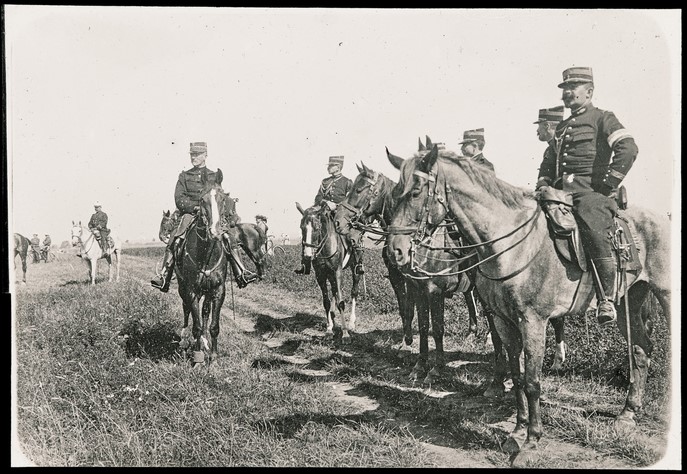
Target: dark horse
[(330, 255), (21, 248), (201, 270), (250, 237), (371, 198), (522, 277)]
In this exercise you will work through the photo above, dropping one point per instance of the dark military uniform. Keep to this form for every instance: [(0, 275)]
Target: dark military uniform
[(47, 242), (36, 247), (98, 225), (188, 191), (579, 161), (481, 160), (333, 188)]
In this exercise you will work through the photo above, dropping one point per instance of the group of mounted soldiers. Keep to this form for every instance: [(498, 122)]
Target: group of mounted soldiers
[(588, 155)]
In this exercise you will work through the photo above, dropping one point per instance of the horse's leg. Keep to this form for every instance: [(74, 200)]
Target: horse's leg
[(354, 298), (533, 330), (118, 261), (641, 327), (217, 302), (472, 310), (398, 284), (110, 269), (422, 304), (437, 301), (23, 269), (559, 329), (499, 362), (326, 302), (94, 269), (337, 285)]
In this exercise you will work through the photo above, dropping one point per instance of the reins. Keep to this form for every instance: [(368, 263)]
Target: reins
[(419, 234)]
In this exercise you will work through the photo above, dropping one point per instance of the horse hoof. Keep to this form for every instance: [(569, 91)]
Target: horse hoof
[(515, 442), (525, 457), (624, 424)]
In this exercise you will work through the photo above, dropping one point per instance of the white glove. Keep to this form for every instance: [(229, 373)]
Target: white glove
[(331, 205)]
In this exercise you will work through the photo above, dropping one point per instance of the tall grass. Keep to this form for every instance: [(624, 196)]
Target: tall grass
[(101, 381)]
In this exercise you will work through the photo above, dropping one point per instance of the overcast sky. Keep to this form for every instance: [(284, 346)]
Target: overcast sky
[(103, 102)]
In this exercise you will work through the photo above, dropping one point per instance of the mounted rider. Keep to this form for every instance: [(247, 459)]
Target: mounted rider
[(190, 187), (47, 243), (331, 192), (98, 225), (472, 146), (547, 122), (589, 157)]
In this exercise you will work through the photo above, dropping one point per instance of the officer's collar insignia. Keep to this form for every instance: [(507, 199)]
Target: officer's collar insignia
[(581, 110)]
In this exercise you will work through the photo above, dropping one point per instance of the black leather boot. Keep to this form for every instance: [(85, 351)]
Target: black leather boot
[(242, 275), (605, 273), (163, 281)]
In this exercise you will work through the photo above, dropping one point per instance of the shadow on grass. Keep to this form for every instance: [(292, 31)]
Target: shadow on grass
[(157, 342)]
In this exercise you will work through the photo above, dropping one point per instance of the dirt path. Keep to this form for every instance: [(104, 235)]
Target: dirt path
[(261, 300)]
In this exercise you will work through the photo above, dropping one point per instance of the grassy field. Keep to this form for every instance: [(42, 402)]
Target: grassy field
[(101, 381)]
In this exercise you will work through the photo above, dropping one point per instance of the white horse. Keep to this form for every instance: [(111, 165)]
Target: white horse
[(91, 252)]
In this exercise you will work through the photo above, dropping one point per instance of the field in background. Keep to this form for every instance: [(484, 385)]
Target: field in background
[(101, 380)]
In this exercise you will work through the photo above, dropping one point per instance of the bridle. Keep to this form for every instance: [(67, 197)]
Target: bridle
[(323, 238), (80, 241), (202, 223), (420, 233), (357, 218)]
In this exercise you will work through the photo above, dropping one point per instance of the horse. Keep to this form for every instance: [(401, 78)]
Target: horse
[(524, 279), (250, 237), (330, 254), (201, 271), (91, 251), (21, 248), (372, 198)]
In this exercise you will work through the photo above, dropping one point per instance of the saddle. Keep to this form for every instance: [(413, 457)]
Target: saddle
[(563, 230)]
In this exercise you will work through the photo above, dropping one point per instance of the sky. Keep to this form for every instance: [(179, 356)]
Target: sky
[(102, 102)]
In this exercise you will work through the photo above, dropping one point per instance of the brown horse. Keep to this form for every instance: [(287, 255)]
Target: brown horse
[(330, 255), (523, 278), (250, 237), (201, 271), (21, 248), (372, 198)]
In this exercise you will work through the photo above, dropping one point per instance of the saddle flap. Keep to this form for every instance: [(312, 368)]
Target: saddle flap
[(557, 205)]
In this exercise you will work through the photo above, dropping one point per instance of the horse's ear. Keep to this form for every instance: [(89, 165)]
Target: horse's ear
[(300, 209), (165, 213), (428, 143), (73, 223), (365, 168), (396, 161), (420, 146), (79, 222), (360, 170), (429, 159)]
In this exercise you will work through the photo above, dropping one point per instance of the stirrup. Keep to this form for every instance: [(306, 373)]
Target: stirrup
[(160, 285), (359, 269), (606, 320)]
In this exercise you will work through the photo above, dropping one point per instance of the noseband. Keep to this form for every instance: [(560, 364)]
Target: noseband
[(420, 233)]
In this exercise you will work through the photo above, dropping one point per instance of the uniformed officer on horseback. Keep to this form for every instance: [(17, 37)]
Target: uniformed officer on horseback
[(547, 122), (472, 146), (331, 192), (590, 156), (98, 225), (190, 187)]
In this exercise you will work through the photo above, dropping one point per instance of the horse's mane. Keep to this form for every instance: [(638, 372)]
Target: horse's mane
[(512, 196)]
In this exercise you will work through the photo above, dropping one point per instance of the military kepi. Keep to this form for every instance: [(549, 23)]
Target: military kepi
[(554, 114), (199, 147), (575, 75), (336, 160), (472, 135)]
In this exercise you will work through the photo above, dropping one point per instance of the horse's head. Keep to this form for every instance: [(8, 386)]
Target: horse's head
[(167, 225), (419, 205), (77, 232), (312, 227), (365, 199), (213, 205)]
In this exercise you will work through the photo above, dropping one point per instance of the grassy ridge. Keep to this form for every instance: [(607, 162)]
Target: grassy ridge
[(101, 382)]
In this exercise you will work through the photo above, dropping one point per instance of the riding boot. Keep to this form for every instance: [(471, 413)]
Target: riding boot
[(242, 275), (163, 281), (604, 278)]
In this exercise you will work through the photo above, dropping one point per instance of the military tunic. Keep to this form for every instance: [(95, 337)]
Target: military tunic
[(590, 155), (47, 242), (333, 188), (190, 187), (98, 221), (481, 160)]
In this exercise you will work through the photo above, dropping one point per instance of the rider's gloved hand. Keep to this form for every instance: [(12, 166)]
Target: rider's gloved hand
[(331, 205)]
